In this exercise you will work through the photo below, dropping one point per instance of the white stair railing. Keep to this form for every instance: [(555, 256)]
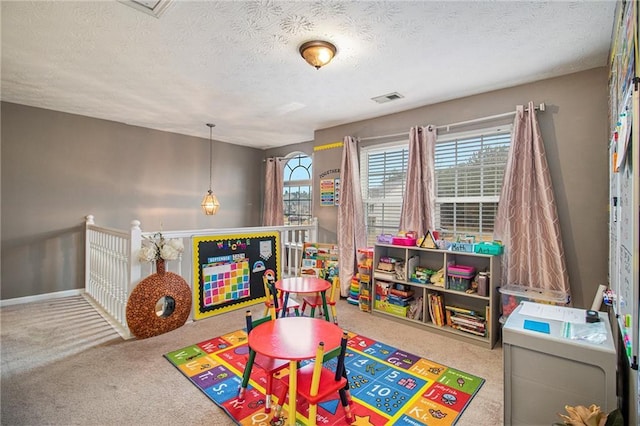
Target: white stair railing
[(112, 269)]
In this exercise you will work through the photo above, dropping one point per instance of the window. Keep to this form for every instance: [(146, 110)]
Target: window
[(297, 190), (469, 168), (383, 175)]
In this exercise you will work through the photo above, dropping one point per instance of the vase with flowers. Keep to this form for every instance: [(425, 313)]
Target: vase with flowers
[(162, 301), (158, 249)]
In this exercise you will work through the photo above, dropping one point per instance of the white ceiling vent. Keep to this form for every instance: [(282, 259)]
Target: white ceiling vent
[(387, 98), (152, 7)]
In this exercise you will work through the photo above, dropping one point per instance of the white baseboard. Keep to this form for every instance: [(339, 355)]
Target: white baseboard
[(41, 297)]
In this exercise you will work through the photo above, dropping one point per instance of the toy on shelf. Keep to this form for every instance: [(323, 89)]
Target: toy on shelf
[(385, 300), (421, 275), (320, 260), (365, 268), (390, 267), (428, 240), (437, 279), (354, 291), (385, 238)]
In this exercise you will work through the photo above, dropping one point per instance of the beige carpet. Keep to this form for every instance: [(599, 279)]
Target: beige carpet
[(62, 364)]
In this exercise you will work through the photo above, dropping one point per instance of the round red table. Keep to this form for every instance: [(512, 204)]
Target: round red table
[(304, 285), (295, 339)]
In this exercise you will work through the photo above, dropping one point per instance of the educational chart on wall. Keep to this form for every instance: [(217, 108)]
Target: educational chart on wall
[(328, 179), (229, 270), (624, 179)]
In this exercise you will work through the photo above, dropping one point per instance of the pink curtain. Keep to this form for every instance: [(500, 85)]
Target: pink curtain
[(273, 204), (418, 204), (352, 232), (527, 220)]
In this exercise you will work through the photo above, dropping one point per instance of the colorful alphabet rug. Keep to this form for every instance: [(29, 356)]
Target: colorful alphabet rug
[(388, 386)]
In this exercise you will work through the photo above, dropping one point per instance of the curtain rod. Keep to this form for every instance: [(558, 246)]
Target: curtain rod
[(540, 107), (264, 160)]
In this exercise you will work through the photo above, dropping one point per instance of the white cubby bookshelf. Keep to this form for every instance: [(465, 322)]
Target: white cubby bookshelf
[(485, 306)]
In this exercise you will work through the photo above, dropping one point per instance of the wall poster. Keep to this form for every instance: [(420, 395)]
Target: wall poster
[(229, 270), (327, 192)]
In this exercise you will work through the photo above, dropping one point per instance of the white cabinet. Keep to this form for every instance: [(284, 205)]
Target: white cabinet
[(454, 300), (544, 370)]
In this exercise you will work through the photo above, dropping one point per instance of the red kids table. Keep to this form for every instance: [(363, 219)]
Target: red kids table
[(294, 339)]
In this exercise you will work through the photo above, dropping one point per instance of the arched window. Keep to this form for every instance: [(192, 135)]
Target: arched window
[(297, 190)]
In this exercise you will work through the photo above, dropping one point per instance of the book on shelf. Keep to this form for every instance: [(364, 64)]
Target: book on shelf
[(481, 333), (385, 275), (411, 264), (440, 302), (467, 323), (436, 309), (386, 267), (468, 317), (400, 301), (390, 259), (401, 293), (459, 310), (430, 308)]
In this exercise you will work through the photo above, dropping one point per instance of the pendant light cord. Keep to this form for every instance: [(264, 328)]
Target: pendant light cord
[(210, 155)]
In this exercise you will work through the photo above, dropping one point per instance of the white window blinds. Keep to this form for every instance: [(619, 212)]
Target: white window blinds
[(383, 172), (469, 170)]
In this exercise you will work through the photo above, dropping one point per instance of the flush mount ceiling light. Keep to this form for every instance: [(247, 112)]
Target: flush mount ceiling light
[(318, 53), (210, 203), (151, 7)]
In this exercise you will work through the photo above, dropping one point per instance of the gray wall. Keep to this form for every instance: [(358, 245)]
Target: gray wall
[(57, 168), (575, 133)]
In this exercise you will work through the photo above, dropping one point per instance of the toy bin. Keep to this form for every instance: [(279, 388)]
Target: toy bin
[(458, 283), (513, 294), (390, 308), (459, 277), (403, 241)]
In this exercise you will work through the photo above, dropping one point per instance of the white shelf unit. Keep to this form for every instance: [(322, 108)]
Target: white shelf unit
[(437, 259)]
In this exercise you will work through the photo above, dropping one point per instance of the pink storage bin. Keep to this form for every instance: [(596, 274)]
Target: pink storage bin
[(404, 241), (461, 271)]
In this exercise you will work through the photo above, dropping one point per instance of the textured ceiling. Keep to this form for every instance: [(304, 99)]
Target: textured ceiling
[(236, 63)]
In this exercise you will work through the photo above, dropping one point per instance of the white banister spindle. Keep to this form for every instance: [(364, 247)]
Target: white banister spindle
[(288, 236), (179, 263), (87, 252), (313, 233), (135, 240)]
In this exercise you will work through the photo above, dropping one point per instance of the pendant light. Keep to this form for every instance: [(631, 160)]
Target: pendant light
[(210, 204)]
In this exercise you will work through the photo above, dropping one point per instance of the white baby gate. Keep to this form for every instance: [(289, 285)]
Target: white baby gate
[(112, 269)]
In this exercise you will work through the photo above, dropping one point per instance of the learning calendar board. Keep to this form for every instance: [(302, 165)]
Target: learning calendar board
[(229, 270)]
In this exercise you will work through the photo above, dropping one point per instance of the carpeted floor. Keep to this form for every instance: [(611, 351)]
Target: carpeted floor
[(388, 386), (62, 364)]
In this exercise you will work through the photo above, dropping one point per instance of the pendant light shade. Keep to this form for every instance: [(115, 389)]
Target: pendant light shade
[(210, 203), (318, 53)]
